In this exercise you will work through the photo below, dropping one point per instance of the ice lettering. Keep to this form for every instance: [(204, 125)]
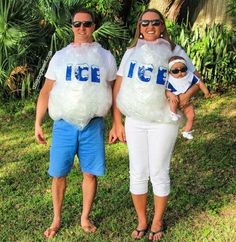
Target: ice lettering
[(81, 72), (142, 70), (161, 75)]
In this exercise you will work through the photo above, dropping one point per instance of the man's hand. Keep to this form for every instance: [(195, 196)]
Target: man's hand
[(39, 136)]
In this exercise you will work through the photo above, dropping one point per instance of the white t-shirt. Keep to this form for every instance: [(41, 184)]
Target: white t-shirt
[(144, 71), (82, 90), (178, 51)]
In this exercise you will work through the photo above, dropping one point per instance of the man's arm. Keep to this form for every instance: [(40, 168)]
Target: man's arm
[(42, 105)]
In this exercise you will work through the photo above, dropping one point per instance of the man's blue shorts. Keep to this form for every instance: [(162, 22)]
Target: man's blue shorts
[(88, 143)]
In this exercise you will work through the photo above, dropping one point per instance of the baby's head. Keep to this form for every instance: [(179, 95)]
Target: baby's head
[(177, 66)]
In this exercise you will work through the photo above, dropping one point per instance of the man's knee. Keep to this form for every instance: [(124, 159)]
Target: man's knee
[(88, 176), (59, 180)]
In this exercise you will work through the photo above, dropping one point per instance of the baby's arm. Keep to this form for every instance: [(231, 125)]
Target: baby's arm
[(201, 85), (204, 89)]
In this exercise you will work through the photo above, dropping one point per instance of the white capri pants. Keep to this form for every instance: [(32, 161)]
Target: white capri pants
[(150, 147)]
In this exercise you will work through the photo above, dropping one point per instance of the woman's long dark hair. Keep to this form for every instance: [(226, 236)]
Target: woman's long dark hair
[(164, 33)]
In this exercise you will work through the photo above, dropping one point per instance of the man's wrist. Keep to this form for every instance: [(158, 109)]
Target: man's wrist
[(37, 123)]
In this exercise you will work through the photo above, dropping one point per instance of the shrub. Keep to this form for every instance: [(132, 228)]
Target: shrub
[(212, 50)]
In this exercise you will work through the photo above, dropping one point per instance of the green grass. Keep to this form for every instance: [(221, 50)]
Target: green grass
[(202, 205)]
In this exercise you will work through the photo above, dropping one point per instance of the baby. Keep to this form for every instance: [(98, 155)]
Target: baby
[(179, 81)]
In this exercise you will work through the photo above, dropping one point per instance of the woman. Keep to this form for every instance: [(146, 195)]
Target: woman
[(139, 93)]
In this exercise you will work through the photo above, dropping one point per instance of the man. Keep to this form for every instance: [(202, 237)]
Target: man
[(77, 93)]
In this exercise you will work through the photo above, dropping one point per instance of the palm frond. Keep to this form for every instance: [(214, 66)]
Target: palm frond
[(109, 29)]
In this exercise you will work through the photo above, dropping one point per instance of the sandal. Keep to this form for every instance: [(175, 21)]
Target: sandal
[(139, 231), (153, 233)]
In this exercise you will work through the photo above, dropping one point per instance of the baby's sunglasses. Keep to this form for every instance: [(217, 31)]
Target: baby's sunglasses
[(154, 22), (177, 70), (86, 24)]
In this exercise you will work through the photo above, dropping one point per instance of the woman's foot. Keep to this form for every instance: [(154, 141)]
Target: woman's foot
[(155, 235), (156, 232), (139, 233)]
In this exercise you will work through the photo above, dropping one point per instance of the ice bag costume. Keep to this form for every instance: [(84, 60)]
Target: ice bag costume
[(142, 93), (82, 90), (181, 85)]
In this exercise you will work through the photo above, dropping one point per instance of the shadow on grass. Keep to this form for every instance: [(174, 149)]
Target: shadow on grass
[(202, 173), (203, 170)]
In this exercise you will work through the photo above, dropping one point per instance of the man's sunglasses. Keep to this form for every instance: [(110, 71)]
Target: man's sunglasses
[(86, 24), (177, 70), (154, 22)]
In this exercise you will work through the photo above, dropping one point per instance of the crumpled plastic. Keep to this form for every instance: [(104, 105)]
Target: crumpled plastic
[(146, 100), (77, 102)]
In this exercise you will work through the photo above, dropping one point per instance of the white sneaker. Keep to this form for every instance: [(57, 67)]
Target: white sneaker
[(174, 116), (187, 134)]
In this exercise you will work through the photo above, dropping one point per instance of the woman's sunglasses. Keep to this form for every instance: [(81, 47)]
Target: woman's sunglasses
[(177, 70), (154, 22), (86, 24)]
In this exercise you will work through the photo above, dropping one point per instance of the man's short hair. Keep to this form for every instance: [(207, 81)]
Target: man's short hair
[(84, 10)]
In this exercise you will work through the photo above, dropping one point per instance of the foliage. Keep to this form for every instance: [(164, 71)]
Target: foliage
[(231, 10), (231, 7), (18, 37), (212, 50), (30, 29), (202, 201)]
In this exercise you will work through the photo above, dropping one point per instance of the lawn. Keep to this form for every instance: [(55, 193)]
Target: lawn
[(202, 205)]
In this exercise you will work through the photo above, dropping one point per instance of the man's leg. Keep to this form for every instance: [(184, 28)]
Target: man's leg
[(58, 191), (91, 155), (89, 188)]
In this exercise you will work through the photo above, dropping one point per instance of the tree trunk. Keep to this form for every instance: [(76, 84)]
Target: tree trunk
[(170, 8), (201, 11), (174, 10), (162, 5)]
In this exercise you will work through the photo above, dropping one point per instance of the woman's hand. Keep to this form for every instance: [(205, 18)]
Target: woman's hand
[(117, 132), (185, 97), (184, 100), (120, 131), (174, 99), (112, 135)]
